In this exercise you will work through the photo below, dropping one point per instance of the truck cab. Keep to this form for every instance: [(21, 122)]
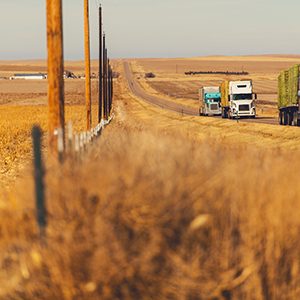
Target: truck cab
[(209, 101), (241, 99)]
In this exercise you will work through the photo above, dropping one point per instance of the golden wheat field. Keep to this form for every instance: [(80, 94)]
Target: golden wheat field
[(15, 132), (162, 206), (24, 103)]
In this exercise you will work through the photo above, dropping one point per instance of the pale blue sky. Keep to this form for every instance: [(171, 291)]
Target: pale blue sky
[(157, 28)]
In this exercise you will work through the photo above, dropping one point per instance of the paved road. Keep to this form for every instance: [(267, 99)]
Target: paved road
[(137, 90)]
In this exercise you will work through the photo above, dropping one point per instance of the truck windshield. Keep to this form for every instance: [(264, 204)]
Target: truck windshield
[(242, 97)]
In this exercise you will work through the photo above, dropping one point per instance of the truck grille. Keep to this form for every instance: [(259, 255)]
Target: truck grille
[(244, 107), (214, 106)]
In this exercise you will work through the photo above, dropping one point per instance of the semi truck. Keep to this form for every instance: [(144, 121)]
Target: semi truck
[(289, 96), (238, 99), (209, 101)]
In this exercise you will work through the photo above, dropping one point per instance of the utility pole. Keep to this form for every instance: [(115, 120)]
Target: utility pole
[(112, 86), (100, 104), (88, 94), (106, 81), (104, 78), (109, 84), (56, 113), (110, 89)]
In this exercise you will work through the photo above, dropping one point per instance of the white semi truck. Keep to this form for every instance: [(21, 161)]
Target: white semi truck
[(238, 99), (209, 101)]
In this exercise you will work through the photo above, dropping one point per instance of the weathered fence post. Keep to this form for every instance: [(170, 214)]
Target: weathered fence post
[(39, 173), (60, 144), (70, 138), (88, 94), (56, 112)]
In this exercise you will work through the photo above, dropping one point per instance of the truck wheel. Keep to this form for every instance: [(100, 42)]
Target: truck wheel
[(291, 117), (280, 117), (223, 113), (295, 118), (285, 118)]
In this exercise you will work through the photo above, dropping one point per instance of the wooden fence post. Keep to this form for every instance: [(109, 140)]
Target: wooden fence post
[(56, 112)]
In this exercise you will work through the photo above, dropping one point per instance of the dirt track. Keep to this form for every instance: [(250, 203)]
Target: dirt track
[(137, 90)]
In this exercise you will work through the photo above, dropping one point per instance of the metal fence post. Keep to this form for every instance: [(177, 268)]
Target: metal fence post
[(39, 173)]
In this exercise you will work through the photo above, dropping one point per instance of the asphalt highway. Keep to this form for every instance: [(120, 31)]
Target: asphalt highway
[(137, 90)]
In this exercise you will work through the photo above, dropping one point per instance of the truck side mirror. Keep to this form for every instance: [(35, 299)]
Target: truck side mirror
[(254, 96), (228, 97)]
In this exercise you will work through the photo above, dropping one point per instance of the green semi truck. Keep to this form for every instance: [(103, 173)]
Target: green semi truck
[(289, 96), (209, 101)]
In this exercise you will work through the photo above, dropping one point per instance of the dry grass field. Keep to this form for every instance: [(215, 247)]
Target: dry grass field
[(15, 135), (23, 103), (171, 81), (163, 206)]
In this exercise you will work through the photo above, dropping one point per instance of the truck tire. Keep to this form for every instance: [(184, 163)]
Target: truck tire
[(290, 118), (285, 118), (223, 113), (280, 118), (295, 118)]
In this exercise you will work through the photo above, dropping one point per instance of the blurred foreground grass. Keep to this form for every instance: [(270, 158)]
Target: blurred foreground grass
[(162, 207), (157, 216)]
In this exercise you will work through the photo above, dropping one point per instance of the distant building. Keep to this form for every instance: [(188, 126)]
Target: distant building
[(38, 76), (69, 74)]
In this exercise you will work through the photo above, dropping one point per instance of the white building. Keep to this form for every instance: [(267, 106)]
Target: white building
[(38, 76)]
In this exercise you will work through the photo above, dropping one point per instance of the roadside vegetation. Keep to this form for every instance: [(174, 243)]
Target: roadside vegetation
[(15, 135), (157, 216), (162, 207)]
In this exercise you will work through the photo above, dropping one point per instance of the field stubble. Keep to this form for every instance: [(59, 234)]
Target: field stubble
[(162, 207), (23, 104), (15, 135), (147, 218)]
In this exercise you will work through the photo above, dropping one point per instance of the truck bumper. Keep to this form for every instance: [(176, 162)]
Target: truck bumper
[(212, 112), (251, 113)]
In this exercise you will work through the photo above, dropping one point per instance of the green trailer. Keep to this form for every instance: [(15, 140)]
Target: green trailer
[(289, 96)]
